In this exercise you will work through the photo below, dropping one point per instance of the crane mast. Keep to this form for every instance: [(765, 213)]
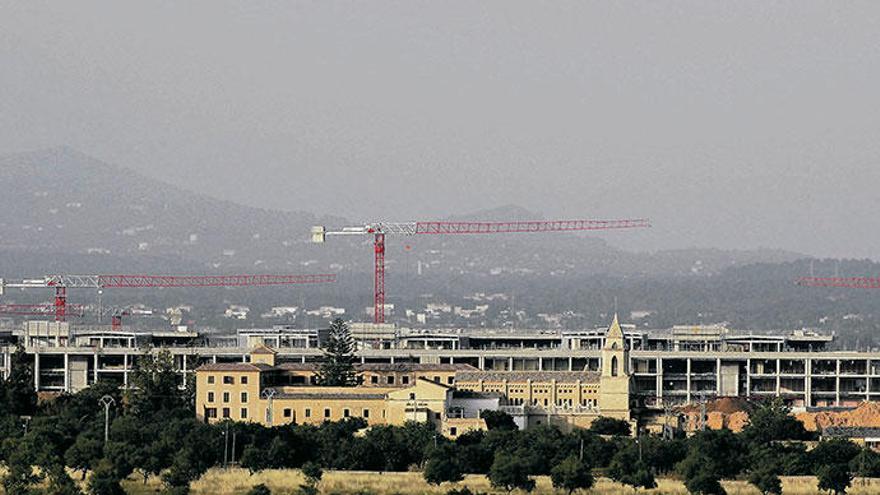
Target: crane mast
[(380, 229)]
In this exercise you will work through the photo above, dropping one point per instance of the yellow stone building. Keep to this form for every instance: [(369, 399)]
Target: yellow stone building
[(391, 394), (565, 398), (450, 396)]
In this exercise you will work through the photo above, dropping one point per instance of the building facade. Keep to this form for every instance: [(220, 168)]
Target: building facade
[(667, 366)]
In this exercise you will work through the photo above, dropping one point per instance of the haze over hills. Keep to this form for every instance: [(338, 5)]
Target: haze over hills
[(64, 212), (87, 213)]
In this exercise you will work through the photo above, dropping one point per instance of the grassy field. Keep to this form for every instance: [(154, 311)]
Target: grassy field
[(283, 482)]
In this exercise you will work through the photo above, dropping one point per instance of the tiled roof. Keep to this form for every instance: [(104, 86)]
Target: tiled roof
[(262, 349), (234, 367), (523, 376), (851, 431), (298, 366), (404, 367)]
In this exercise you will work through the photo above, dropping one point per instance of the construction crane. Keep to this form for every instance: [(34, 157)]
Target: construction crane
[(847, 282), (38, 309), (380, 229), (60, 283)]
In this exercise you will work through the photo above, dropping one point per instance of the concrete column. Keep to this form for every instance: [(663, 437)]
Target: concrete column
[(36, 370), (481, 362), (214, 359), (808, 382), (392, 359), (837, 383), (749, 374), (778, 377), (570, 364), (718, 377), (125, 369), (688, 380), (95, 371), (510, 364), (540, 363), (660, 380), (66, 372)]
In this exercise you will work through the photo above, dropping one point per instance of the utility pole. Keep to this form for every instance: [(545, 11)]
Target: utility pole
[(226, 446), (232, 454), (106, 401)]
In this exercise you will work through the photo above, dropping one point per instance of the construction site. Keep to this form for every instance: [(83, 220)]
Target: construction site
[(707, 374)]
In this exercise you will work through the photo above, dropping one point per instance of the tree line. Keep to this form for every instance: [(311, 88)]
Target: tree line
[(152, 431)]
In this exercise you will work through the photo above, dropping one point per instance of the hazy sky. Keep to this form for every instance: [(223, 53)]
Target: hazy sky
[(729, 124)]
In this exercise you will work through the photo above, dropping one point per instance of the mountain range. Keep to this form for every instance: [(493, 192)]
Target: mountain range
[(64, 211)]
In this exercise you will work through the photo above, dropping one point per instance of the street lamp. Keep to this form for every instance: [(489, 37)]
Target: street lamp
[(106, 401), (268, 394)]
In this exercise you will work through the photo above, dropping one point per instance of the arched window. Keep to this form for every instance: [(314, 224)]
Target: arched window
[(614, 366)]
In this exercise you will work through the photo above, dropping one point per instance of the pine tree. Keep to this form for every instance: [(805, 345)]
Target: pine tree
[(20, 398), (337, 365)]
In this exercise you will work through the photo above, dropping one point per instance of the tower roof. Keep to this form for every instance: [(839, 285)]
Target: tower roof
[(614, 331), (263, 349)]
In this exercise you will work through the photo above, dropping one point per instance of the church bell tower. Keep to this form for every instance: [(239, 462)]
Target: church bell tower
[(614, 382)]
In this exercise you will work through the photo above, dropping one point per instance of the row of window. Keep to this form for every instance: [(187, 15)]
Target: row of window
[(227, 380), (346, 413), (211, 412), (244, 397), (404, 380), (559, 402)]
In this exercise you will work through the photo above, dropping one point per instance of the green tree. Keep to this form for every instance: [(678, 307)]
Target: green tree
[(509, 472), (835, 478), (155, 386), (85, 452), (834, 451), (19, 478), (497, 420), (105, 480), (60, 482), (313, 474), (604, 425), (766, 480), (337, 363), (866, 464), (255, 459), (627, 467), (772, 420), (572, 474), (20, 398), (704, 482), (442, 465)]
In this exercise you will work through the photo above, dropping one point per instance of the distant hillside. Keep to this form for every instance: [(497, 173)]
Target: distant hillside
[(84, 213)]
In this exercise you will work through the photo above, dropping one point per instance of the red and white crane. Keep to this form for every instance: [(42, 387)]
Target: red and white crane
[(846, 282), (380, 229), (60, 283)]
